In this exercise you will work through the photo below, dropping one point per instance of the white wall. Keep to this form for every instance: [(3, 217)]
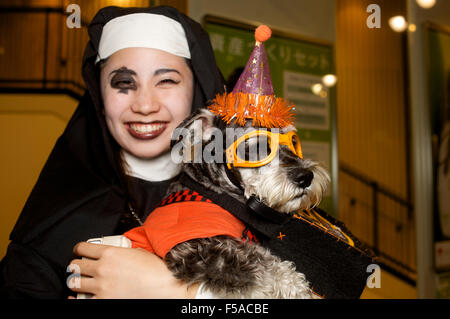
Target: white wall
[(313, 19)]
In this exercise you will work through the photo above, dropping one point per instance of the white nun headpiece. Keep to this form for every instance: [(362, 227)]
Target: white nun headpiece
[(143, 30)]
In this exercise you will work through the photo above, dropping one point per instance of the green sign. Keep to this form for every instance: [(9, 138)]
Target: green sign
[(439, 72), (295, 66), (437, 39)]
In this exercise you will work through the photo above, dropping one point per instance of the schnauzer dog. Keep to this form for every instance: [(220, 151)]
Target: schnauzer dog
[(229, 267)]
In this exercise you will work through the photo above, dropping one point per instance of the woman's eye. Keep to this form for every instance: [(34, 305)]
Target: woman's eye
[(121, 83), (168, 81), (127, 82)]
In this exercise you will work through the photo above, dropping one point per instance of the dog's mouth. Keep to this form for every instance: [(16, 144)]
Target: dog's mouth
[(301, 194)]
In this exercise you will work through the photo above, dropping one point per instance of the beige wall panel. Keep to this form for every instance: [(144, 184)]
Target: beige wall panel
[(29, 128)]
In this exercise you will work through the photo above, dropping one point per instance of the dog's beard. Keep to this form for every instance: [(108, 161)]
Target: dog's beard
[(270, 183)]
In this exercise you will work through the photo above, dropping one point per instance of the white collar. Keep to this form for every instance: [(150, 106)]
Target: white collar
[(156, 169)]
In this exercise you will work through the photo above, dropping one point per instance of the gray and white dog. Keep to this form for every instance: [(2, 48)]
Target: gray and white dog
[(229, 267)]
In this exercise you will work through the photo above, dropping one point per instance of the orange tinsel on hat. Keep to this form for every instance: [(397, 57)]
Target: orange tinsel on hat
[(253, 97), (264, 110)]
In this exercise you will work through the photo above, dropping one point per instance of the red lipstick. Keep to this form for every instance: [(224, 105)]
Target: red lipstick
[(146, 131)]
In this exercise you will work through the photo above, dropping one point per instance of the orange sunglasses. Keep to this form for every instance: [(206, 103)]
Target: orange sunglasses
[(289, 139)]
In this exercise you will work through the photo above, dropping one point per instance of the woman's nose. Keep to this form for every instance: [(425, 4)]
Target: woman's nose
[(146, 102)]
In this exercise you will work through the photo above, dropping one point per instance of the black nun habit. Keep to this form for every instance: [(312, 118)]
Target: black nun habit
[(81, 192)]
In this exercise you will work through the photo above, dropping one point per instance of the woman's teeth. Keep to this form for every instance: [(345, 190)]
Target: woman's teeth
[(146, 128)]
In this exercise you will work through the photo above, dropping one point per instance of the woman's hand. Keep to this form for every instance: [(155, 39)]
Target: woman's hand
[(116, 272)]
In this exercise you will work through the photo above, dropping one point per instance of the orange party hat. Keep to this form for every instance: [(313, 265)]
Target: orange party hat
[(253, 97)]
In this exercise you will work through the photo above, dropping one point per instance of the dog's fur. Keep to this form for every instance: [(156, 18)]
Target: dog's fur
[(231, 268)]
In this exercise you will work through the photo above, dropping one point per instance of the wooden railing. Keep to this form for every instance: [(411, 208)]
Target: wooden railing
[(381, 219)]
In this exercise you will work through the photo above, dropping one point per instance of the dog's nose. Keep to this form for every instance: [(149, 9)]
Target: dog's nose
[(304, 178)]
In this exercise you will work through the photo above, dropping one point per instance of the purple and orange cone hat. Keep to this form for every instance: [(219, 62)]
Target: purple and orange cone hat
[(253, 97)]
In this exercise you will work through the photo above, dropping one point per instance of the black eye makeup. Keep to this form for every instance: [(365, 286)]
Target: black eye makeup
[(123, 80)]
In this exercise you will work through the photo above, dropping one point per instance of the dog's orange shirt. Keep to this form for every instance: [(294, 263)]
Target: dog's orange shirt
[(172, 224)]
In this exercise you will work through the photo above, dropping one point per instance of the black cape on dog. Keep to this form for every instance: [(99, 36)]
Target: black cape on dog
[(80, 192), (332, 259)]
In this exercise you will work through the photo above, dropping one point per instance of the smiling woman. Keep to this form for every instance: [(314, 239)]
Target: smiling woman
[(145, 70), (146, 99)]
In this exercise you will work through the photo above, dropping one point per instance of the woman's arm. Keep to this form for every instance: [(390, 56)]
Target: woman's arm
[(116, 272)]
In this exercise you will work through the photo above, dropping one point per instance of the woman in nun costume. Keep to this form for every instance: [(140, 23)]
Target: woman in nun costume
[(145, 69)]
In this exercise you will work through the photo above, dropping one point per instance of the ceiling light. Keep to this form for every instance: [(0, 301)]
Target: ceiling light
[(329, 80), (426, 4), (317, 88), (398, 23)]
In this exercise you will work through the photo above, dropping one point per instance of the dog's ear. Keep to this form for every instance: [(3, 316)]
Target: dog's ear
[(206, 116), (200, 122)]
